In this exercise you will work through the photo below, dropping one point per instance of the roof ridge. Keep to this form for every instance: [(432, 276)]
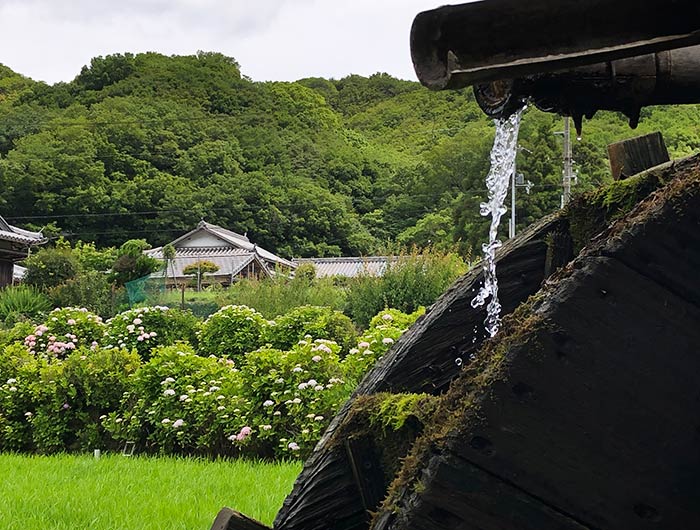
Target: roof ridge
[(348, 258)]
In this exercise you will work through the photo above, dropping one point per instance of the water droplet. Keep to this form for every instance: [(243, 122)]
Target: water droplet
[(472, 357), (458, 361)]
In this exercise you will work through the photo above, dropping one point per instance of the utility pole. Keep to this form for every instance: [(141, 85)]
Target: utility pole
[(517, 180), (568, 164)]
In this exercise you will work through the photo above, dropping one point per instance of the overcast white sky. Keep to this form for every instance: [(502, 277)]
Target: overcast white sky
[(50, 40)]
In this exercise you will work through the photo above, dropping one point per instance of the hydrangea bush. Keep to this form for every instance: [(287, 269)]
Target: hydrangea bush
[(232, 331), (231, 397), (385, 329), (318, 322), (65, 330), (180, 402), (52, 405), (146, 327), (20, 374), (293, 395)]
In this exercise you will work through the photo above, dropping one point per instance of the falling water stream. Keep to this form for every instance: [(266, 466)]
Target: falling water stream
[(502, 166)]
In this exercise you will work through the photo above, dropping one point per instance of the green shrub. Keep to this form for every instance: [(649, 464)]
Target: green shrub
[(89, 289), (413, 281), (71, 396), (20, 380), (50, 267), (16, 333), (12, 358), (180, 402), (318, 322), (22, 302), (147, 327), (279, 296), (395, 319), (232, 331), (65, 330), (131, 263)]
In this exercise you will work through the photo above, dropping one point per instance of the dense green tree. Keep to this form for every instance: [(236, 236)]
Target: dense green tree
[(144, 146), (132, 263)]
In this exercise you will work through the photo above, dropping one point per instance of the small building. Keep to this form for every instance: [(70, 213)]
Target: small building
[(15, 245), (348, 267), (234, 254)]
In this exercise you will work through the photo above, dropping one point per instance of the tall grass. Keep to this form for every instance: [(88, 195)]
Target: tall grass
[(279, 296), (21, 301), (118, 493), (271, 297)]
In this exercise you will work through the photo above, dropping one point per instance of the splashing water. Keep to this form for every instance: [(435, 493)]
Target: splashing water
[(502, 167)]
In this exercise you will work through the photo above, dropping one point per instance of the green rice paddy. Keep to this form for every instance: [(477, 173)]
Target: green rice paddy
[(136, 493)]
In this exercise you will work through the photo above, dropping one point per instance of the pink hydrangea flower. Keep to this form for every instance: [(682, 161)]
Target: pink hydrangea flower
[(245, 432)]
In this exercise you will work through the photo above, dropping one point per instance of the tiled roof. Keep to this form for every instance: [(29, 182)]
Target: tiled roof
[(18, 235), (200, 252), (350, 267), (235, 239)]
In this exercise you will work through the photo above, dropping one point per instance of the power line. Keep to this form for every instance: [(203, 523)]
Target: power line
[(211, 210)]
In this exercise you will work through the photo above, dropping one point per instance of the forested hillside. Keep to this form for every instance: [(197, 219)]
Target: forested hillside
[(147, 145)]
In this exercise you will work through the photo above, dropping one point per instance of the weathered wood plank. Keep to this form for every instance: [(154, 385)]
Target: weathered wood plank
[(228, 519), (667, 252), (461, 495), (635, 155), (600, 422), (423, 360), (366, 470)]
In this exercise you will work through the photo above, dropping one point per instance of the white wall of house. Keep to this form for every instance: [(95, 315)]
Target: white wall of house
[(203, 239)]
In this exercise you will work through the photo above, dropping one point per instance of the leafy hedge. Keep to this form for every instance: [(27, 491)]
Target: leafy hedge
[(244, 397)]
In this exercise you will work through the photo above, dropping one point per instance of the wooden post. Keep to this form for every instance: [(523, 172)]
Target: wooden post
[(635, 155), (6, 272), (182, 298)]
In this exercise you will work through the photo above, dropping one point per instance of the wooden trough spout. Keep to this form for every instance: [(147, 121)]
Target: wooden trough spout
[(572, 57), (461, 45), (626, 85)]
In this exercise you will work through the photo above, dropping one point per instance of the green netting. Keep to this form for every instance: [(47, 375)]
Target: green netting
[(149, 291), (145, 291)]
